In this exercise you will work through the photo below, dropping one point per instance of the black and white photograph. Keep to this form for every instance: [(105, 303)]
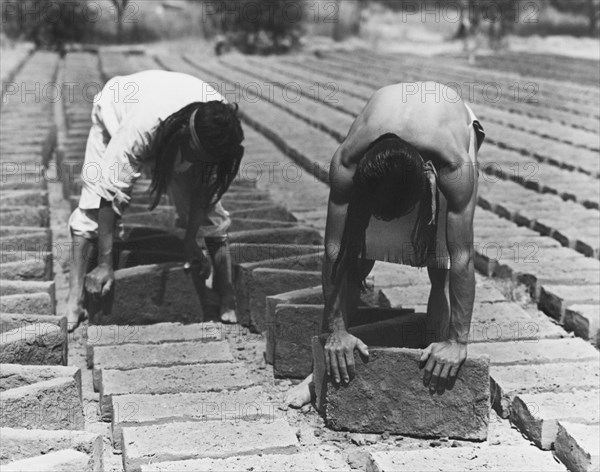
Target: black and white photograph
[(300, 236)]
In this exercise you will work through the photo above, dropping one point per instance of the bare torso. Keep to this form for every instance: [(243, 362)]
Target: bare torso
[(428, 115)]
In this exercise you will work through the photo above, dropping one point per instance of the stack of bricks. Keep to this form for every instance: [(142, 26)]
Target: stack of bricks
[(31, 334), (42, 418)]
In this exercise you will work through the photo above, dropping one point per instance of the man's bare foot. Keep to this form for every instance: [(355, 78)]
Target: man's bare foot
[(75, 315), (300, 394), (228, 317)]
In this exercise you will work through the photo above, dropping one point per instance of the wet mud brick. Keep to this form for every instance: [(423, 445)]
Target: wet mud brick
[(247, 224), (253, 282), (584, 321), (33, 303), (116, 335), (303, 462), (293, 327), (176, 379), (554, 299), (212, 439), (308, 296), (144, 238), (312, 296), (25, 198), (388, 394), (249, 252), (508, 381), (271, 281), (148, 294), (249, 404), (577, 446), (521, 458), (164, 217), (24, 216), (268, 212), (15, 375), (133, 356), (295, 235), (23, 265), (537, 415), (41, 397), (535, 351), (14, 287), (127, 259), (13, 178), (507, 321), (28, 239), (417, 296), (35, 344), (19, 444), (10, 321), (66, 460)]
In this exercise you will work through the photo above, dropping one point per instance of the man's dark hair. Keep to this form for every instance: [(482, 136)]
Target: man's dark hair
[(390, 180), (220, 133)]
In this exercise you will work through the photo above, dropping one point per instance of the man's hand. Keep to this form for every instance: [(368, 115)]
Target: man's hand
[(339, 355), (100, 281), (443, 360), (196, 260)]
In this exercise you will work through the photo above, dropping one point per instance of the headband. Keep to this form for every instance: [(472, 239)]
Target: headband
[(193, 134)]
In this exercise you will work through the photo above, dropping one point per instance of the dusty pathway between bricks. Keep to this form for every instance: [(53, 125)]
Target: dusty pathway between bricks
[(205, 396)]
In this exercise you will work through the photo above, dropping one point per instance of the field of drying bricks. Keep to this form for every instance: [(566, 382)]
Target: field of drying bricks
[(161, 385)]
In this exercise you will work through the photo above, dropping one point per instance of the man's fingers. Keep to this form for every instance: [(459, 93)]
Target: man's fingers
[(425, 354), (441, 384), (341, 360), (428, 371), (452, 377), (335, 372), (327, 361), (107, 287), (350, 364), (362, 348), (435, 376)]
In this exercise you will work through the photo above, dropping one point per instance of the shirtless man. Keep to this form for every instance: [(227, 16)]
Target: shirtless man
[(403, 189)]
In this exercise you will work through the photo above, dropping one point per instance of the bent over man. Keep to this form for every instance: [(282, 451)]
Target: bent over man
[(403, 189), (189, 138)]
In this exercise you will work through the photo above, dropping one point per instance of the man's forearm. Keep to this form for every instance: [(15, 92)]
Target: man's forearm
[(333, 316), (462, 297), (106, 227)]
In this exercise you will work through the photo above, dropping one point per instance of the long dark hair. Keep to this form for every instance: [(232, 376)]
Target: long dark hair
[(389, 181), (220, 133)]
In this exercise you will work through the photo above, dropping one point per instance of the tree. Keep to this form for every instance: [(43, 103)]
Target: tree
[(120, 7), (49, 25)]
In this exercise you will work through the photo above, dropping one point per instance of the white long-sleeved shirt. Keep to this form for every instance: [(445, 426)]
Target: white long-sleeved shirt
[(128, 112)]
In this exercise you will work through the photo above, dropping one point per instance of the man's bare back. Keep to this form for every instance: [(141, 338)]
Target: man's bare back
[(430, 116)]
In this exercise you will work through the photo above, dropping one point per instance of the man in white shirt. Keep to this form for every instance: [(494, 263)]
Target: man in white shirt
[(189, 138)]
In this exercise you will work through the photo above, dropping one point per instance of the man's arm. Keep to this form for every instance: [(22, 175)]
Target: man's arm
[(101, 280), (198, 216), (339, 349), (458, 183)]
